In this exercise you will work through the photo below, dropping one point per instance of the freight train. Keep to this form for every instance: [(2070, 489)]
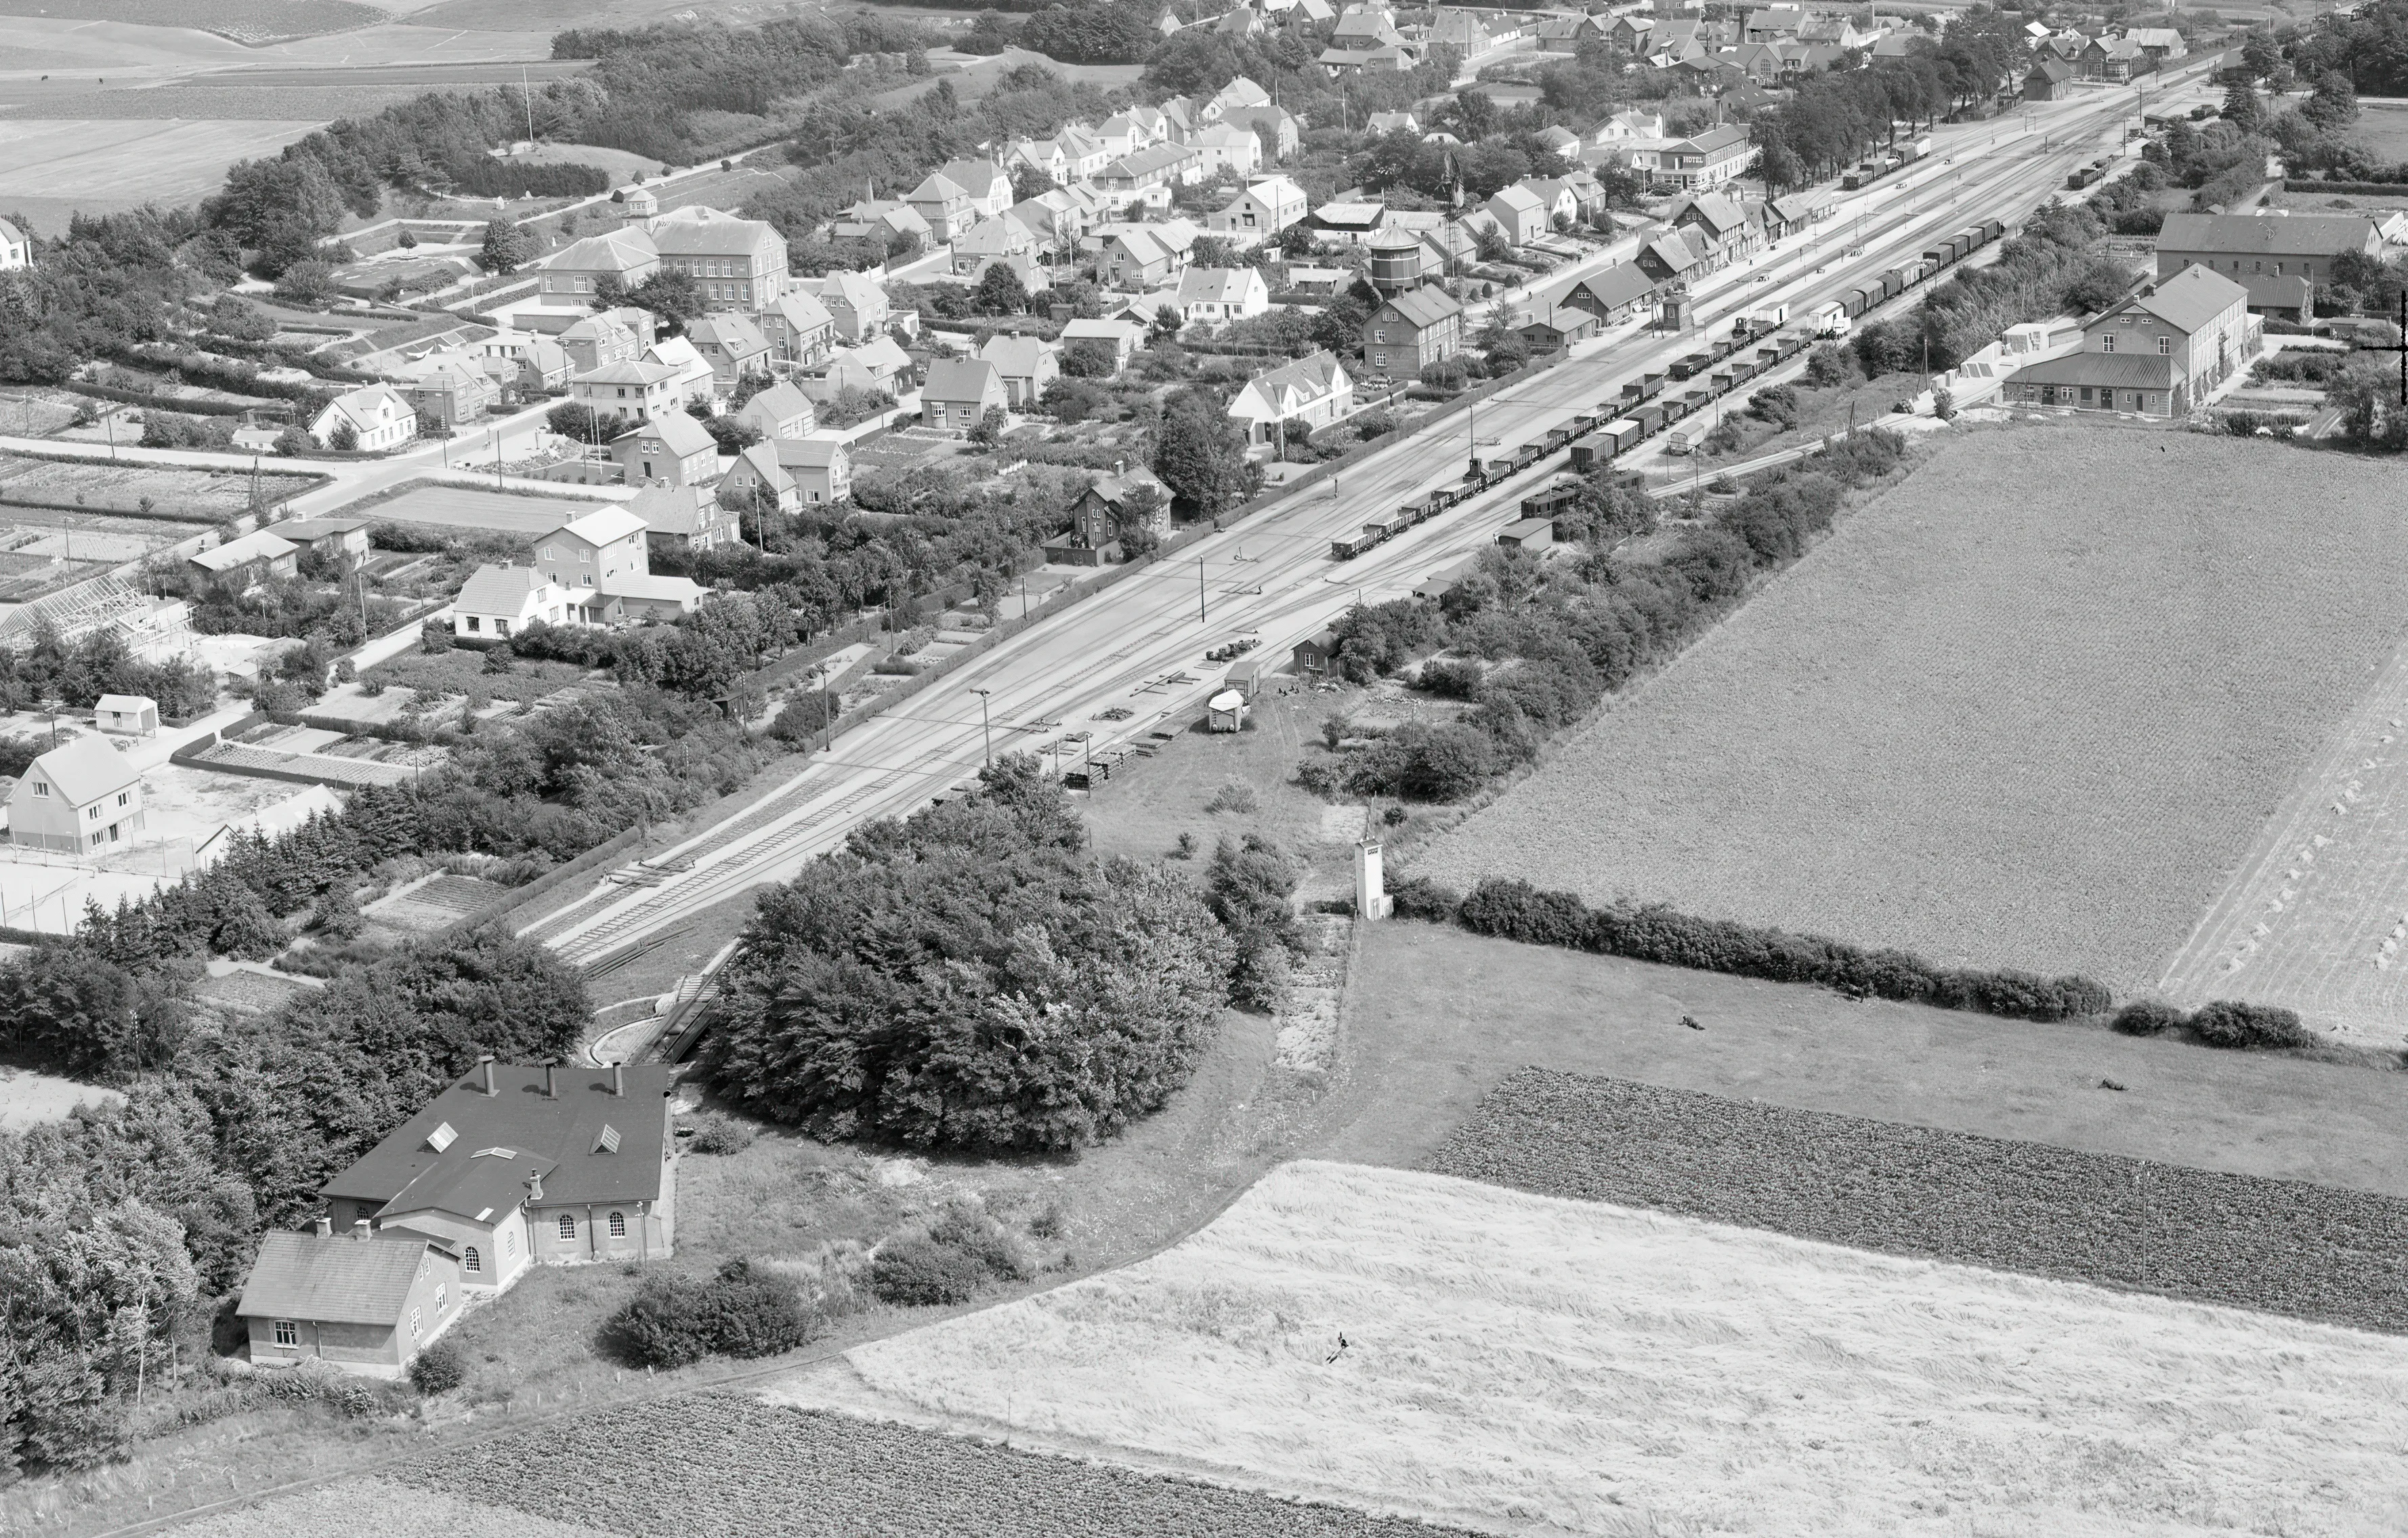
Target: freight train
[(1647, 405)]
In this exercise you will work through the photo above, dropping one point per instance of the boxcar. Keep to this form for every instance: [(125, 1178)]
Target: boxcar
[(1622, 433), (1650, 420)]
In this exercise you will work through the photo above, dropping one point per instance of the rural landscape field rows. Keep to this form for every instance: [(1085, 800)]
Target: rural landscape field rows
[(2316, 917), (2028, 708), (2318, 1252), (1528, 1363)]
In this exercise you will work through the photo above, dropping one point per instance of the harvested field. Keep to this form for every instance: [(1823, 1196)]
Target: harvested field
[(245, 20), (721, 1465), (2036, 730), (2280, 1247), (28, 1099), (2316, 917), (1525, 1363), (462, 507)]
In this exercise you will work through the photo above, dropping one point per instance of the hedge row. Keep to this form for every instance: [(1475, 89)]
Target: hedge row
[(152, 401), (2365, 189), (2225, 1023), (1514, 910)]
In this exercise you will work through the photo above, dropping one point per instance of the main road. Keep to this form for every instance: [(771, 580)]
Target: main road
[(1137, 646)]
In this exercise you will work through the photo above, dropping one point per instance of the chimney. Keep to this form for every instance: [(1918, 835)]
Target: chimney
[(535, 1186), (325, 1226), (551, 1081), (360, 1228), (485, 1067), (619, 1080)]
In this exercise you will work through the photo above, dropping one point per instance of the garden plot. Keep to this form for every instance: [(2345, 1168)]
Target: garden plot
[(436, 902), (1529, 1363), (2028, 708)]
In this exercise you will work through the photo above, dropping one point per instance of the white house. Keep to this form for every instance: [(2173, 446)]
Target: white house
[(1313, 390), (496, 602), (1226, 145), (1222, 294), (602, 562), (636, 391), (126, 715), (381, 417), (80, 795), (16, 247), (1125, 337), (779, 411), (1267, 205)]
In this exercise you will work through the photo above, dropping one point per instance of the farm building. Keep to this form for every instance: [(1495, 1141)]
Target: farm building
[(78, 797), (361, 1302)]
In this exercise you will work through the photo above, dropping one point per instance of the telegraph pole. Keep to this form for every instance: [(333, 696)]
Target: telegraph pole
[(988, 731)]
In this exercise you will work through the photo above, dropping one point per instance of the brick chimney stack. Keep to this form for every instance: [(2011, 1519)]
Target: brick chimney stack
[(361, 1228)]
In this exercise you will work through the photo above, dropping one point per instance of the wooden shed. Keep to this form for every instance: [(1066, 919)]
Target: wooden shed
[(1532, 534)]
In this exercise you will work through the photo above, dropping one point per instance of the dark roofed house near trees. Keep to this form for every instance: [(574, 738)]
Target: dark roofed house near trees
[(510, 1166)]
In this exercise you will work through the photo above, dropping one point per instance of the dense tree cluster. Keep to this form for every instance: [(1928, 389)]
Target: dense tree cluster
[(1533, 645), (115, 280), (78, 674), (970, 978), (2048, 268)]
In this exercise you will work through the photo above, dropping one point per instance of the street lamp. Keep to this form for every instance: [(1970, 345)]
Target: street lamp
[(985, 729)]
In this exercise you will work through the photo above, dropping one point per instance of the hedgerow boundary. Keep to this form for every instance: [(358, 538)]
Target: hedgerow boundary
[(1515, 909), (2278, 1246)]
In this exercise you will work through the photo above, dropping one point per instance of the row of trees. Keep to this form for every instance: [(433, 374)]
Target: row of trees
[(2046, 269)]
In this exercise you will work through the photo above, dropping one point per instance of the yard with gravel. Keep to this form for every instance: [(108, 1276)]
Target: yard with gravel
[(2028, 708)]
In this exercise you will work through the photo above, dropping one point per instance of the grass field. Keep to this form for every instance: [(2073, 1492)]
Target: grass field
[(28, 1099), (2382, 131), (385, 1508), (1437, 1017), (124, 163), (464, 507), (1524, 1362), (246, 20), (2028, 708)]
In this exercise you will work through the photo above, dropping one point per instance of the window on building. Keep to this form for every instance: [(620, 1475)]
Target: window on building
[(618, 1225), (442, 1297), (92, 813), (41, 790), (2106, 344), (124, 797), (568, 1227), (509, 1242), (501, 627), (2165, 346), (476, 624), (413, 1323), (287, 1333), (470, 1261)]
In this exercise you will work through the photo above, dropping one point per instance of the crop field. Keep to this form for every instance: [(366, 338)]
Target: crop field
[(245, 20), (2316, 917), (2283, 1247), (124, 163), (1530, 1363), (464, 507), (37, 484), (2028, 708), (720, 1464)]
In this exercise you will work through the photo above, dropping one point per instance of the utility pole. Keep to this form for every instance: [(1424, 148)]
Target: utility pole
[(984, 728), (1200, 616)]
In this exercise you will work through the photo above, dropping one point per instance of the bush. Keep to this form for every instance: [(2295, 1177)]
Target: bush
[(804, 715), (2148, 1017), (959, 1255), (714, 1133), (743, 1311), (439, 1368), (1237, 795), (2228, 1023)]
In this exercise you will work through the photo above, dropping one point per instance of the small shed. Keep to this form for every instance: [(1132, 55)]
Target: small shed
[(1226, 711), (1532, 534), (130, 715), (1314, 655), (1249, 676), (252, 558)]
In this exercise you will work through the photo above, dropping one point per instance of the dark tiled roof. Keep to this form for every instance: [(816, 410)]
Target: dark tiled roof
[(519, 1117), (2258, 235)]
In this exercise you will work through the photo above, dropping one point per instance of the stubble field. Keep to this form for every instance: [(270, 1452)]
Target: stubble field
[(2029, 709), (100, 166), (1520, 1363)]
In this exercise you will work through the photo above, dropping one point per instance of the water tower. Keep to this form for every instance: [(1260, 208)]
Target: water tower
[(1397, 261)]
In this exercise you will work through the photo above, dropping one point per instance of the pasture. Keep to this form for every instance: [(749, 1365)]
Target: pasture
[(2028, 708), (2382, 131), (1528, 1362)]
